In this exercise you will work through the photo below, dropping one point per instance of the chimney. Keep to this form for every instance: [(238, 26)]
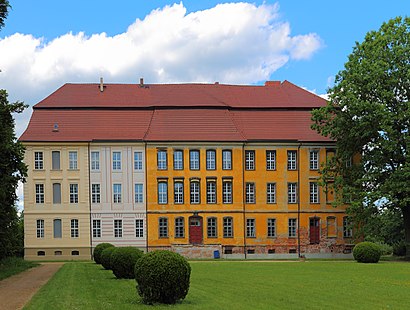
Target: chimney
[(55, 127), (141, 82), (272, 83), (101, 84)]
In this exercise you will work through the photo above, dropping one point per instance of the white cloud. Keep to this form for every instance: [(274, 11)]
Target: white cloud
[(230, 43)]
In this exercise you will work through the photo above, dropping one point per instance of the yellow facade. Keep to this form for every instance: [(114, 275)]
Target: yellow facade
[(44, 216), (305, 212)]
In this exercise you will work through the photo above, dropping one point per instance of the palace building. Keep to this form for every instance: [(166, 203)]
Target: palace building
[(200, 169)]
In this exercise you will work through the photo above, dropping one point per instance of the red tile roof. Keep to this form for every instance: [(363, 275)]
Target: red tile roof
[(175, 112)]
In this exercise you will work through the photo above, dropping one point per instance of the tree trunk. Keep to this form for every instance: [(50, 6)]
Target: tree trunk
[(406, 217)]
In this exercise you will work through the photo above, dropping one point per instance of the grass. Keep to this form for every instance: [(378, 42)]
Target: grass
[(12, 265), (241, 285)]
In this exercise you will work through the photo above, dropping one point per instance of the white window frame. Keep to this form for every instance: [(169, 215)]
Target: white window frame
[(179, 227), (178, 157), (163, 227), (270, 192), (270, 159), (162, 160), (347, 229), (116, 160), (314, 192), (292, 227), (212, 227), (139, 228), (40, 229), (162, 192), (228, 227), (39, 193), (38, 160), (250, 192), (195, 192), (117, 193), (74, 193), (139, 193), (95, 193), (292, 160), (138, 161), (194, 160), (96, 228), (95, 160), (314, 159), (211, 192), (227, 196), (250, 228), (249, 159), (271, 228), (118, 228), (292, 193), (226, 160), (72, 160), (178, 192), (210, 159), (74, 228)]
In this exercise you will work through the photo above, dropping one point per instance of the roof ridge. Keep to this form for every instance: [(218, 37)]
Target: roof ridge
[(149, 125), (238, 128)]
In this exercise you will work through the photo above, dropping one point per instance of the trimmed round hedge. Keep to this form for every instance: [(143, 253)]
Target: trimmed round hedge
[(367, 252), (162, 276), (98, 250), (105, 257), (123, 261)]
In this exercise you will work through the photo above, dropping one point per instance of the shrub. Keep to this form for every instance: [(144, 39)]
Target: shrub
[(98, 249), (367, 252), (399, 248), (105, 257), (123, 261), (385, 248), (162, 276)]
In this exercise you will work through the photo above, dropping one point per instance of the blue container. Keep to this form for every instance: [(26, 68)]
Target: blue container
[(216, 254)]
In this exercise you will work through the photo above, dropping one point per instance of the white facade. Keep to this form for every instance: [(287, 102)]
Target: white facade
[(118, 194)]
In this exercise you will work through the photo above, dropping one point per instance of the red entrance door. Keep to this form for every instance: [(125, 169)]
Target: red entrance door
[(314, 230), (195, 230)]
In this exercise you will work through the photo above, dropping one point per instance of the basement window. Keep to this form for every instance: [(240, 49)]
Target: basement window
[(41, 253), (75, 253)]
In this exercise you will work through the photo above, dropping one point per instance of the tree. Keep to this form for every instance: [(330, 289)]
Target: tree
[(4, 10), (12, 170), (368, 115)]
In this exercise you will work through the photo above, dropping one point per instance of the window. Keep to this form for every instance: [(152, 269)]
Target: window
[(162, 160), (250, 228), (292, 227), (95, 161), (250, 192), (347, 227), (292, 195), (211, 192), (227, 191), (75, 253), (195, 193), (58, 253), (57, 228), (72, 160), (138, 161), (40, 228), (270, 160), (38, 161), (96, 228), (228, 227), (314, 192), (163, 227), (95, 193), (139, 228), (116, 160), (292, 161), (178, 192), (73, 193), (314, 160), (55, 160), (139, 193), (210, 160), (39, 193), (74, 229), (194, 160), (349, 162), (178, 160), (227, 160), (162, 192), (249, 160), (117, 228), (117, 191), (271, 193), (56, 193), (271, 228), (179, 227), (331, 227), (212, 227), (41, 253)]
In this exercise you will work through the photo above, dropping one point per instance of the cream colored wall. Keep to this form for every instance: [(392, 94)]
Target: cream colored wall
[(65, 210)]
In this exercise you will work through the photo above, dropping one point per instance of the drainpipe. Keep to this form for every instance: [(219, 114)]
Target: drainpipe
[(298, 186), (146, 197), (89, 201), (244, 199)]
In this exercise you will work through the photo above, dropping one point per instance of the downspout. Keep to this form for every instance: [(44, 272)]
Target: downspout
[(89, 201), (298, 186), (243, 199), (146, 197)]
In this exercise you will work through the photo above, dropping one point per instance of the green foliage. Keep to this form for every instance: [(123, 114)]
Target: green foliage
[(399, 248), (98, 250), (12, 170), (13, 265), (123, 261), (385, 226), (367, 252), (162, 276), (367, 116), (105, 257), (4, 10)]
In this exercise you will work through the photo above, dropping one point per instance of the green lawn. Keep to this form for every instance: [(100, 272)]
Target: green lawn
[(241, 285), (13, 265)]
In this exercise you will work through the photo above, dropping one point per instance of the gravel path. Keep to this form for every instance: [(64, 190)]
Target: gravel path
[(17, 290)]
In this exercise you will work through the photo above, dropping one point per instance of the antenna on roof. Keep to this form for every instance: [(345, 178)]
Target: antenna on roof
[(101, 84)]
